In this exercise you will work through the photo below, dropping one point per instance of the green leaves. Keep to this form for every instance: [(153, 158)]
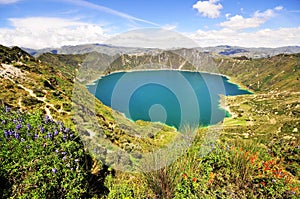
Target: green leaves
[(32, 159)]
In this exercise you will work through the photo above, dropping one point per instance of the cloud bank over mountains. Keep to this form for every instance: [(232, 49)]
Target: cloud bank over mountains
[(227, 29)]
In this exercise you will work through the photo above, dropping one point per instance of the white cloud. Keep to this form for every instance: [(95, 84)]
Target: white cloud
[(260, 38), (238, 22), (8, 1), (227, 15), (278, 8), (209, 8), (42, 32)]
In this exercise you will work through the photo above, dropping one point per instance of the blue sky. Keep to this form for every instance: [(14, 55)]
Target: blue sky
[(53, 23)]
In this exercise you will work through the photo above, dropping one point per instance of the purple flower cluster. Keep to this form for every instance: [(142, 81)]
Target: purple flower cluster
[(7, 109), (45, 131)]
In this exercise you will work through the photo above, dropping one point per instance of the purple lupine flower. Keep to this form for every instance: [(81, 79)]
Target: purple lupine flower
[(22, 140), (67, 130), (18, 126), (7, 109), (42, 129), (6, 133), (54, 170), (55, 133), (11, 132), (64, 137), (63, 153), (28, 135), (71, 135), (17, 136), (28, 126), (64, 158), (76, 160), (3, 122), (50, 135), (28, 147), (47, 119), (15, 121), (36, 136), (20, 119), (56, 150)]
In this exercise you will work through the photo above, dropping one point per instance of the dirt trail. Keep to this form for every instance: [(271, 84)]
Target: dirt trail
[(10, 72)]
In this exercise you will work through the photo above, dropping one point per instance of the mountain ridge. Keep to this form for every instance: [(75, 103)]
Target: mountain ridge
[(222, 50)]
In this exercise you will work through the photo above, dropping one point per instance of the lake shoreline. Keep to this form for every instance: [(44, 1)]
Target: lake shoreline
[(221, 101), (229, 79)]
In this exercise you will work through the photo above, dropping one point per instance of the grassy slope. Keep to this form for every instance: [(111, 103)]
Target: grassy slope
[(269, 116), (52, 83)]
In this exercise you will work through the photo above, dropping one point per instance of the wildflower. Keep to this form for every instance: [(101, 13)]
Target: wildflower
[(42, 129), (263, 183), (47, 119), (185, 176), (54, 170), (19, 126), (55, 133), (194, 179), (11, 132), (61, 127), (20, 119), (67, 130), (36, 136), (28, 126), (22, 140), (71, 135), (7, 109), (6, 133), (15, 121), (17, 136), (50, 135), (76, 160), (56, 151), (227, 147), (64, 158), (64, 137), (3, 122), (63, 153)]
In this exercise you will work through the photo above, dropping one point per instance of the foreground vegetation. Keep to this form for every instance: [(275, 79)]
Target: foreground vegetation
[(41, 158)]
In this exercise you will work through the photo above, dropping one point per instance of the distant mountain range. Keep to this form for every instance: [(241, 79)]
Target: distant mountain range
[(224, 50)]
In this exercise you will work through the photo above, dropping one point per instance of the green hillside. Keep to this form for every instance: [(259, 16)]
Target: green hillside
[(256, 154)]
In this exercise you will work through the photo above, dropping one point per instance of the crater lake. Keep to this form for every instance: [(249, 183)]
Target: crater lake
[(176, 98)]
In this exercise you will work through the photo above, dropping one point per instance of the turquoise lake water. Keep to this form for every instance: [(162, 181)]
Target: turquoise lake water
[(176, 98)]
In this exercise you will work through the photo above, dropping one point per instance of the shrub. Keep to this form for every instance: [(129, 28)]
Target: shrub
[(41, 158)]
